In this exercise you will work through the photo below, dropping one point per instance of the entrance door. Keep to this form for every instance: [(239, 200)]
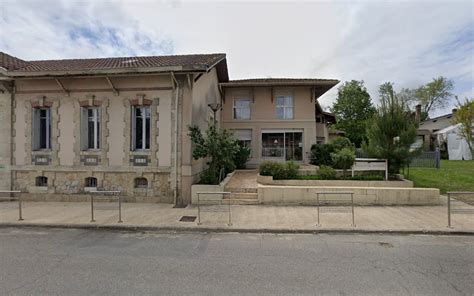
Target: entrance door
[(282, 145)]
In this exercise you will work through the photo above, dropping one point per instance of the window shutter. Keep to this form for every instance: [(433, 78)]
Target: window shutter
[(35, 132), (84, 120)]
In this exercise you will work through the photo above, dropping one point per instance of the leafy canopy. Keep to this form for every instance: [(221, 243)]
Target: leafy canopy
[(465, 116), (391, 131), (353, 107), (219, 146)]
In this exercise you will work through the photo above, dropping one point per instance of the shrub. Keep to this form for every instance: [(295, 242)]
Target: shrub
[(340, 143), (241, 157), (291, 170), (209, 176), (321, 153), (279, 170), (327, 173), (343, 159)]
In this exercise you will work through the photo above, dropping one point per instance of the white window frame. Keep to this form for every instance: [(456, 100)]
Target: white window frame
[(285, 107), (36, 132), (143, 128), (235, 108), (96, 119)]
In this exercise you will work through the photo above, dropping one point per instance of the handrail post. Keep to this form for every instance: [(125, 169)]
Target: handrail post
[(92, 208), (352, 202), (20, 211), (230, 220), (449, 210), (199, 210), (120, 209), (317, 195)]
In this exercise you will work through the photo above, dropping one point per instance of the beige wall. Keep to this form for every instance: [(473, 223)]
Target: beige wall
[(115, 130), (263, 116), (5, 139), (196, 112)]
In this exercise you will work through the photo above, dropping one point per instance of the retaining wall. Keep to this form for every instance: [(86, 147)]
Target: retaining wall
[(383, 196)]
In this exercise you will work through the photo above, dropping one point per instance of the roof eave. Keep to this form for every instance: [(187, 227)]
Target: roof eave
[(330, 83), (23, 74)]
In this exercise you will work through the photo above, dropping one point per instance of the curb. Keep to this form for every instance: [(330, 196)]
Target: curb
[(236, 230)]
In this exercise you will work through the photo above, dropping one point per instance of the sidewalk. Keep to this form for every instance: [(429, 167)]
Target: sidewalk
[(245, 218)]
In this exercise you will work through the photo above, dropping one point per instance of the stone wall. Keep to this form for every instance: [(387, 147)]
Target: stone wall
[(72, 183), (5, 136), (115, 164)]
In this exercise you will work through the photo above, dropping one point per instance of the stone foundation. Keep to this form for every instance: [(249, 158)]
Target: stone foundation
[(70, 185)]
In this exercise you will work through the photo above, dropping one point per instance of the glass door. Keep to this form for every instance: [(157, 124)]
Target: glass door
[(282, 145)]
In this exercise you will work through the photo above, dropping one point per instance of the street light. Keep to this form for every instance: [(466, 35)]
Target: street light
[(215, 107)]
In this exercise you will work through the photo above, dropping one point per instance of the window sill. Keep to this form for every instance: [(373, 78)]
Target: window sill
[(41, 151)]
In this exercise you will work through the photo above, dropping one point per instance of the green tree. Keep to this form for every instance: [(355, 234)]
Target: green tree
[(391, 131), (353, 107), (219, 146), (465, 116), (433, 95)]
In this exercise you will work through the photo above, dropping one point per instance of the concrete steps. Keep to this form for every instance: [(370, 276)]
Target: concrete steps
[(241, 190)]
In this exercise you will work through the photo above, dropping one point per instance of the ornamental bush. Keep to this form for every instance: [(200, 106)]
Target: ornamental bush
[(327, 173), (343, 159), (279, 170)]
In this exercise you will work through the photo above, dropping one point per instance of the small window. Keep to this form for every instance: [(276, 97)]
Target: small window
[(90, 128), (284, 107), (141, 118), (91, 182), (242, 109), (41, 130), (41, 181), (141, 183)]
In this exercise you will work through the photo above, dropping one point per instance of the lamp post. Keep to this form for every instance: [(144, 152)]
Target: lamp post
[(215, 107)]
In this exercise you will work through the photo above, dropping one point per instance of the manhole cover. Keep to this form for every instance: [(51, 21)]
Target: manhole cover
[(187, 219)]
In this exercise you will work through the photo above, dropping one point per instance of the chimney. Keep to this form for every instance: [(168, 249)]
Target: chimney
[(417, 113)]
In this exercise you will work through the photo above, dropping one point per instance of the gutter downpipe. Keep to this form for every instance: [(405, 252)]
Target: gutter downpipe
[(176, 90)]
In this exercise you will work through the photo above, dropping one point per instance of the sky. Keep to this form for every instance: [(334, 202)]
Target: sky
[(405, 42)]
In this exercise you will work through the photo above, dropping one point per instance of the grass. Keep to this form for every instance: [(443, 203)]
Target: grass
[(454, 175)]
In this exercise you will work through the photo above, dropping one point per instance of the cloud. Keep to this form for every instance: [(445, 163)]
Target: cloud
[(405, 42)]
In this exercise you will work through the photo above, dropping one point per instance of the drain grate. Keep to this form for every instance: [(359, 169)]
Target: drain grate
[(187, 219)]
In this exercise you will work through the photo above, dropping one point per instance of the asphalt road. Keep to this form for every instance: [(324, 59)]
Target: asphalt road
[(89, 262)]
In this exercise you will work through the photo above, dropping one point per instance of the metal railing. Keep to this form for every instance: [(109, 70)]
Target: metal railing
[(342, 208), (106, 196), (20, 210), (427, 159), (220, 200), (457, 210)]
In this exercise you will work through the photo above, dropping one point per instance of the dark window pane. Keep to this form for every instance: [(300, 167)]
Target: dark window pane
[(90, 134), (147, 128), (139, 133)]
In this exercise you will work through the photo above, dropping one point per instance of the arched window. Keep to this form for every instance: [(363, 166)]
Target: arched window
[(91, 182), (41, 181), (141, 182)]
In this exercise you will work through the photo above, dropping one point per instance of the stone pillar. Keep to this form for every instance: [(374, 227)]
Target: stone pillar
[(6, 137)]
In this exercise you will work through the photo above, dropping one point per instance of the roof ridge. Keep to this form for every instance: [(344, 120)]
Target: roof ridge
[(127, 57)]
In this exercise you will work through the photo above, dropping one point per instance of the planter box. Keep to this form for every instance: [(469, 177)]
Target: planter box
[(268, 180), (205, 198)]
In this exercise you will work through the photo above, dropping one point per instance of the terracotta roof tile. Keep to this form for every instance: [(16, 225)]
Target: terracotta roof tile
[(280, 81), (200, 60), (9, 62)]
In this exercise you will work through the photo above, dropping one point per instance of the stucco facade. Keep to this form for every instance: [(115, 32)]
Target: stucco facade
[(68, 102), (264, 119)]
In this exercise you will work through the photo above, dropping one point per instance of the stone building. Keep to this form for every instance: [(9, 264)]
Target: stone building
[(71, 126)]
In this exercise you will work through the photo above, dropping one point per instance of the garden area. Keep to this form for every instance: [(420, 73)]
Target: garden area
[(453, 175)]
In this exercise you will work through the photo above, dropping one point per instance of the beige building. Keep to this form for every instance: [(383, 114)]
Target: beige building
[(276, 117), (69, 126)]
